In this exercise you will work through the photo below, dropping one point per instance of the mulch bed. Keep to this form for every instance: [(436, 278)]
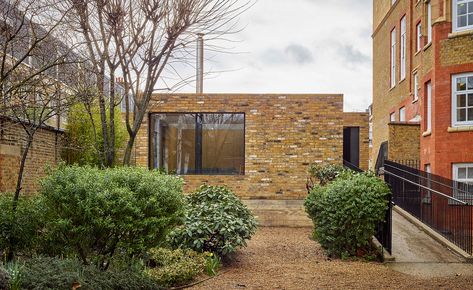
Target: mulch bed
[(285, 258)]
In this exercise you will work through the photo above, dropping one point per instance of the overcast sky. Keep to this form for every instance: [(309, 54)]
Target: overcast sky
[(299, 46)]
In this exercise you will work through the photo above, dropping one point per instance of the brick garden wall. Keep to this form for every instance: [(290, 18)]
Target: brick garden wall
[(283, 135), (360, 120), (44, 151)]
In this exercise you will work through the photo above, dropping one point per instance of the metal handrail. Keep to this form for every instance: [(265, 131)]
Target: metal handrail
[(424, 187), (429, 179)]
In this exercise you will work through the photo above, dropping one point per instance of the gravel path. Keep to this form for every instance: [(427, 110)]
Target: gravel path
[(285, 258)]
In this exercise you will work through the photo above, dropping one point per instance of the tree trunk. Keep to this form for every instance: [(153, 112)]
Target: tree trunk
[(129, 148), (111, 150), (16, 197), (22, 169)]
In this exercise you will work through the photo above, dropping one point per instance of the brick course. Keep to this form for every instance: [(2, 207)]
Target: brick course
[(284, 134)]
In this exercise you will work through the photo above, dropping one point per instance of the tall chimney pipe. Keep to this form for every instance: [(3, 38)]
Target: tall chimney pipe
[(200, 64)]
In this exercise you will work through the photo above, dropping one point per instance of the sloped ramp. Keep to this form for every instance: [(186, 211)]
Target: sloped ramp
[(417, 253)]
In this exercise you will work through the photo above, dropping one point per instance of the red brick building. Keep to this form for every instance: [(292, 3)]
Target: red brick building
[(426, 78)]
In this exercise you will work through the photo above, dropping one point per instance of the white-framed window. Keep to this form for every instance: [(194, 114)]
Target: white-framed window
[(416, 86), (392, 117), (429, 22), (463, 177), (393, 58), (462, 18), (403, 47), (402, 114), (418, 36), (462, 99), (428, 89)]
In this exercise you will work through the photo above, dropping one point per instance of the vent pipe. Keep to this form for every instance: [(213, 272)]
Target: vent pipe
[(200, 64)]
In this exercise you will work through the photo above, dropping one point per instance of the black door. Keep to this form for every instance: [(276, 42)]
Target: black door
[(351, 145)]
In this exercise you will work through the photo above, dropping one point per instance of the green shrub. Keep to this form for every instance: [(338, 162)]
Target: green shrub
[(175, 267), (18, 231), (216, 221), (326, 173), (83, 147), (4, 278), (53, 273), (94, 214), (346, 211)]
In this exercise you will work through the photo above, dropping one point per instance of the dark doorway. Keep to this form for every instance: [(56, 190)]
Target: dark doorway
[(351, 145)]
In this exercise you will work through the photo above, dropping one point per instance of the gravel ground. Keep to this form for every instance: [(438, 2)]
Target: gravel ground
[(284, 258)]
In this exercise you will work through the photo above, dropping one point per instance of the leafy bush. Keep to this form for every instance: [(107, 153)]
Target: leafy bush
[(83, 143), (94, 214), (4, 278), (216, 221), (18, 231), (346, 211), (325, 173), (53, 273), (175, 267)]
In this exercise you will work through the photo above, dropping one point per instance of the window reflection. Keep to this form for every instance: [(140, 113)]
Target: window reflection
[(211, 144)]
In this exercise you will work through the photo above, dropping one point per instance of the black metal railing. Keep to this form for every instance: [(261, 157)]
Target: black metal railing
[(440, 203), (352, 166), (408, 162)]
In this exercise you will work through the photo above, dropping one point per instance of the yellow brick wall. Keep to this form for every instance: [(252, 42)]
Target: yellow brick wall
[(283, 135), (457, 50), (351, 119), (404, 141)]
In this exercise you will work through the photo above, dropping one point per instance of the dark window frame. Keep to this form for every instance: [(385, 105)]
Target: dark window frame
[(197, 147)]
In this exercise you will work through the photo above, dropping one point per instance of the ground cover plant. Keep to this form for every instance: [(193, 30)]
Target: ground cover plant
[(346, 211), (175, 267), (216, 221)]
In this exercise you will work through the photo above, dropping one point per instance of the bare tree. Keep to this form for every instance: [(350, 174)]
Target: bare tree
[(141, 40), (38, 66)]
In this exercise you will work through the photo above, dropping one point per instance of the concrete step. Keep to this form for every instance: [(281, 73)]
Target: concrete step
[(279, 213)]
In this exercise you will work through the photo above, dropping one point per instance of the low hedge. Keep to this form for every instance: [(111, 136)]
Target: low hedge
[(346, 211)]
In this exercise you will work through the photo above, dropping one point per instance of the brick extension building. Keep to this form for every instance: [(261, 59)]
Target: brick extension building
[(259, 145), (423, 74)]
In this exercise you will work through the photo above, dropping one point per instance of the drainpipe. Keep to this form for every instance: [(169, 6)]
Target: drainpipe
[(200, 64)]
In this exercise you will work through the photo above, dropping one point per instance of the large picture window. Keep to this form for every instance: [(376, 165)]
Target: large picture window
[(462, 99), (198, 143), (462, 15)]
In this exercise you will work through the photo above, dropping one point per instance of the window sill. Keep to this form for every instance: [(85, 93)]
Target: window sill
[(415, 100), (467, 128), (426, 133), (460, 33), (427, 46), (417, 52), (402, 80)]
